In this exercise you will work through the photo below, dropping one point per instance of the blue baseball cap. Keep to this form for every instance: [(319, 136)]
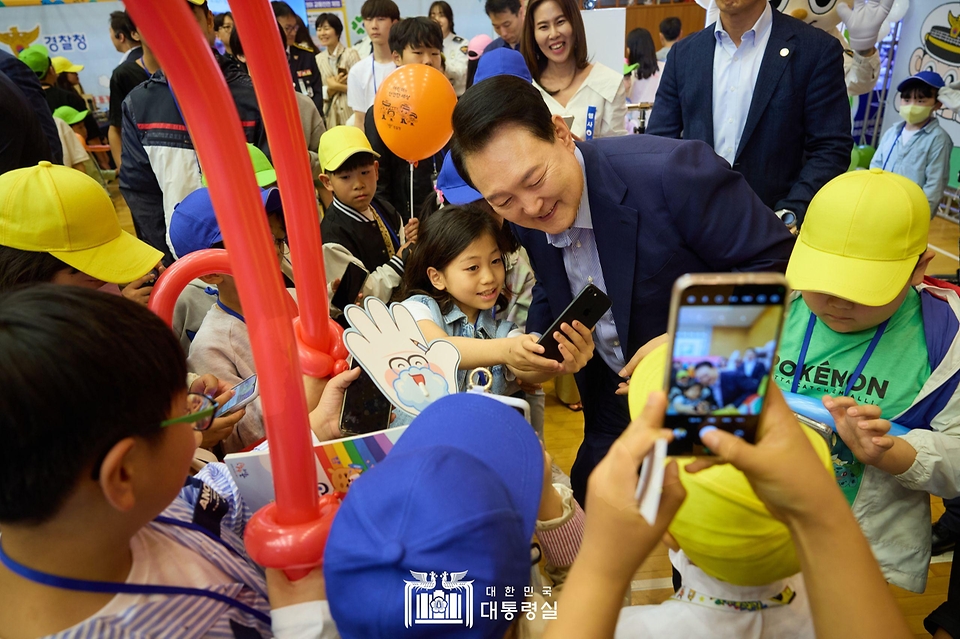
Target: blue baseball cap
[(455, 501), (502, 61), (927, 77), (453, 187), (193, 225)]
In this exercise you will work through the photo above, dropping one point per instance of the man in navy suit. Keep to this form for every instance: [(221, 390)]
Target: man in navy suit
[(727, 388), (628, 214), (766, 91)]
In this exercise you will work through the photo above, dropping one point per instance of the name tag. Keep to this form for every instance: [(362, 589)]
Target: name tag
[(591, 122)]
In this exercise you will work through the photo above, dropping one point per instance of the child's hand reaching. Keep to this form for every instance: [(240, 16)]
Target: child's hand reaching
[(525, 359), (862, 430)]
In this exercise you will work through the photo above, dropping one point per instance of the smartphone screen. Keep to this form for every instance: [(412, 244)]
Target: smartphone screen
[(242, 393), (365, 408), (725, 338)]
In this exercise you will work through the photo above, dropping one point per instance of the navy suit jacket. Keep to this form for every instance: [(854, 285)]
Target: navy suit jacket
[(797, 134), (660, 208)]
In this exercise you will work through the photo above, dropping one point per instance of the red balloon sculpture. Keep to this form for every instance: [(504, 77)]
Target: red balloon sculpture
[(291, 533)]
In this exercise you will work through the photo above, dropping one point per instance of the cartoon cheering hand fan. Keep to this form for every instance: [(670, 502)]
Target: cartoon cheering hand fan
[(389, 346)]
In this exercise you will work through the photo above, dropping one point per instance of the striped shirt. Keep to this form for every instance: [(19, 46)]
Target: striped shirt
[(582, 262), (210, 500)]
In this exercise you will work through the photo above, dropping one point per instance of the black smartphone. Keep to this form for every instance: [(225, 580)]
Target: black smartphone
[(365, 409), (588, 307), (351, 283), (724, 331)]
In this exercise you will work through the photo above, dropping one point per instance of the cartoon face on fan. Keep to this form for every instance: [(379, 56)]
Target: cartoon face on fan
[(415, 382)]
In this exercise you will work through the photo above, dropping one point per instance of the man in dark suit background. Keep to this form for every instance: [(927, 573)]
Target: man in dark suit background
[(628, 214), (766, 91), (727, 388)]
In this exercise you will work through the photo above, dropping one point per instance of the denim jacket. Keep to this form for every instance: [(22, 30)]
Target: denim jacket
[(455, 324)]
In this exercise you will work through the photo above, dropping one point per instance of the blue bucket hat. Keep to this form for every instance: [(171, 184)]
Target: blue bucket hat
[(453, 187), (502, 61), (455, 502), (193, 225)]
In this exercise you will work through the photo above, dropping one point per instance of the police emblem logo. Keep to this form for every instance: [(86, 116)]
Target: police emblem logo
[(425, 603)]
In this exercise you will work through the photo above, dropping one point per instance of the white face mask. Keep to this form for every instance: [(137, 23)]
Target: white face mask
[(915, 113)]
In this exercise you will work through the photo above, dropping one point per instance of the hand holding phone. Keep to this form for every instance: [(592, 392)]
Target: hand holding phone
[(365, 409), (724, 331), (588, 307), (243, 393)]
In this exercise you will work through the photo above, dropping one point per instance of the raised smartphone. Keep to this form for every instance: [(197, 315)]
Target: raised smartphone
[(724, 331), (588, 307)]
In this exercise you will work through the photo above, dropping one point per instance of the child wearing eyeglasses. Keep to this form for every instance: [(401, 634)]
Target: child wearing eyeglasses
[(95, 515)]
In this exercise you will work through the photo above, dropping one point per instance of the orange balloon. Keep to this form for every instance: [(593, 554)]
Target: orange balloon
[(413, 111)]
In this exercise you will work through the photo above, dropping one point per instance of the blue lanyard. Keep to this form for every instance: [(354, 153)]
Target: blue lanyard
[(894, 147), (85, 585), (373, 72), (230, 311), (798, 373)]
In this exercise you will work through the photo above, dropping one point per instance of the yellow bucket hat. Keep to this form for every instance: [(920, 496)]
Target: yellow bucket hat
[(58, 210), (861, 237), (722, 526)]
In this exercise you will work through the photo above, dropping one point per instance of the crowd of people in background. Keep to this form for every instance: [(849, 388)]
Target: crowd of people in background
[(542, 190)]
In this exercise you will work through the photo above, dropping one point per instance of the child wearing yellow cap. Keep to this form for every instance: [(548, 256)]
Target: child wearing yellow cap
[(360, 227), (58, 225), (865, 326)]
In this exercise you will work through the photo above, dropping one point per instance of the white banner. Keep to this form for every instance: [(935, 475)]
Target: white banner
[(79, 32)]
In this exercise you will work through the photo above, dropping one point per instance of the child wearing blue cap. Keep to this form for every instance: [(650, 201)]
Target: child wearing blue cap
[(222, 345), (435, 540), (918, 148)]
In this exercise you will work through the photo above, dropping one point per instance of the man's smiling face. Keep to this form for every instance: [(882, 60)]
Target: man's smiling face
[(529, 181)]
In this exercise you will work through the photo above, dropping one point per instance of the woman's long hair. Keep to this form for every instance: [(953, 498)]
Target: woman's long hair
[(642, 51), (534, 57)]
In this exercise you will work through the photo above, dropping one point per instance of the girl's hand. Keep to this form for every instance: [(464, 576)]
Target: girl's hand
[(282, 592), (411, 230), (524, 355), (576, 346)]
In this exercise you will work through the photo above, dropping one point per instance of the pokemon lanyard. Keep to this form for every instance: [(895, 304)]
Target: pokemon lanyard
[(689, 595), (798, 373)]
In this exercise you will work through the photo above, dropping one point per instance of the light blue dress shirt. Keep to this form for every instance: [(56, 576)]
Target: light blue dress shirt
[(924, 158), (582, 262), (735, 71)]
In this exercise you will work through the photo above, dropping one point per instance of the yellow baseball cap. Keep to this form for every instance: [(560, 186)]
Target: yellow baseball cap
[(861, 238), (62, 65), (722, 526), (58, 210), (340, 143)]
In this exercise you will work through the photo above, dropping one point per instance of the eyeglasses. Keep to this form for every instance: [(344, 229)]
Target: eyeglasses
[(291, 29), (200, 412)]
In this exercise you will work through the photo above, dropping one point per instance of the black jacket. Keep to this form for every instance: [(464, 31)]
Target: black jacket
[(26, 80), (306, 74)]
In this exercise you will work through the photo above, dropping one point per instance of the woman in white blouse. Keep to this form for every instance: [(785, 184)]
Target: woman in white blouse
[(554, 46)]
